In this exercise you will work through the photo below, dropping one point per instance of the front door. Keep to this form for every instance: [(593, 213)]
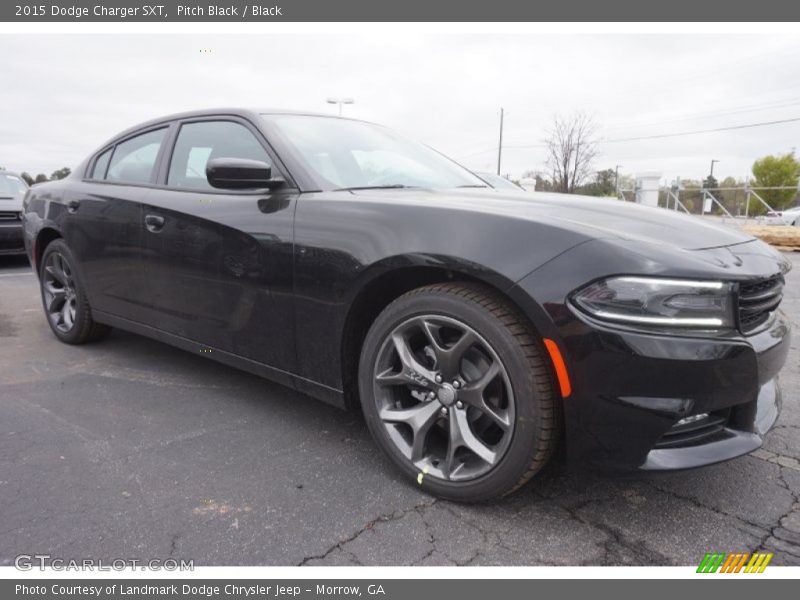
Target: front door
[(219, 264)]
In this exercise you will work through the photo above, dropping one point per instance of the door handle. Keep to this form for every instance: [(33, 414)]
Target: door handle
[(154, 223), (73, 205)]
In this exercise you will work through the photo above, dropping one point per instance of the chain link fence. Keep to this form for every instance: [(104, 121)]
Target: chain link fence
[(744, 203)]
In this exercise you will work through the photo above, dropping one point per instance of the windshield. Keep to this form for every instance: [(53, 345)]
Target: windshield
[(11, 185), (343, 154)]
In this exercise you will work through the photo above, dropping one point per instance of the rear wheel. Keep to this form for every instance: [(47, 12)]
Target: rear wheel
[(64, 297), (455, 390)]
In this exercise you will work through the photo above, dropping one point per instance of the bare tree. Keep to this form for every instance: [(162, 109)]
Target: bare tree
[(571, 150)]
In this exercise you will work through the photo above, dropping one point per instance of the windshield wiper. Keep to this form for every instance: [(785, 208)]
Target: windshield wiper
[(393, 186)]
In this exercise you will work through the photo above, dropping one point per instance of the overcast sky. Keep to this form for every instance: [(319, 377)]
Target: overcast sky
[(62, 96)]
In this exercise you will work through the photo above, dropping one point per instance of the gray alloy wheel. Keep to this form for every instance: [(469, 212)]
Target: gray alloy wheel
[(64, 297), (455, 389), (59, 292), (444, 397)]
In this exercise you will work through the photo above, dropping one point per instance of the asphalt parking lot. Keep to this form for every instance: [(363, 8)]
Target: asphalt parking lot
[(129, 448)]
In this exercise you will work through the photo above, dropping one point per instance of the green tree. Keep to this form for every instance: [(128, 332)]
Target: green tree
[(40, 178), (777, 171), (544, 185), (603, 184), (61, 173), (26, 177), (691, 196), (710, 183), (606, 182), (732, 199)]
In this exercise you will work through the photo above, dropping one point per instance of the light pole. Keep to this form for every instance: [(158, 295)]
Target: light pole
[(340, 101), (711, 174), (500, 146)]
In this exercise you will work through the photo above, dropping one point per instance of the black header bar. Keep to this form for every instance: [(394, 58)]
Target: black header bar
[(401, 11)]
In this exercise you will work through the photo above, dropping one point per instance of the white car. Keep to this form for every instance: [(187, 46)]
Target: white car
[(790, 216), (12, 191)]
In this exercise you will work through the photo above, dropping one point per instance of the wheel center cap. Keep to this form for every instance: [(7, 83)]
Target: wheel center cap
[(446, 394)]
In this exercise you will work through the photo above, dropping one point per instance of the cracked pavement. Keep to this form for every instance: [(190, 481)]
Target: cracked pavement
[(132, 449)]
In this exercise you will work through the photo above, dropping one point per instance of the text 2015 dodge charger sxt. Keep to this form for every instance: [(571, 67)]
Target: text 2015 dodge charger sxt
[(476, 329)]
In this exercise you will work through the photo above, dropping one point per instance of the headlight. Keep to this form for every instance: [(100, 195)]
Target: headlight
[(660, 303)]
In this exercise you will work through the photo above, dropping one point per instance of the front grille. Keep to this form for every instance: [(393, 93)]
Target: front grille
[(9, 215), (757, 300), (701, 431)]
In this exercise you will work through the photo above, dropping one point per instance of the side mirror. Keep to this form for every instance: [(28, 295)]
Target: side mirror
[(241, 174)]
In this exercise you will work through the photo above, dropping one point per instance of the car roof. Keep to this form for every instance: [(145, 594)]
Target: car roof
[(247, 113)]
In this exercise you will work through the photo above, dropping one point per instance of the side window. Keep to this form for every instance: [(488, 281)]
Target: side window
[(133, 160), (101, 164), (198, 143)]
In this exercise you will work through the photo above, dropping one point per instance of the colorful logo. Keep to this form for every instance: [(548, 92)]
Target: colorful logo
[(744, 562)]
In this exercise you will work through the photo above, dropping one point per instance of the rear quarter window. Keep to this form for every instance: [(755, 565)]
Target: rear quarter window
[(134, 160), (101, 165)]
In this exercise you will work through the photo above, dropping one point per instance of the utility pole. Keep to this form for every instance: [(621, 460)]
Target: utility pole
[(500, 146)]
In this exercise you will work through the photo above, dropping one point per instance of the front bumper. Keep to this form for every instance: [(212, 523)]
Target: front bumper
[(633, 389), (634, 393), (727, 443), (11, 238)]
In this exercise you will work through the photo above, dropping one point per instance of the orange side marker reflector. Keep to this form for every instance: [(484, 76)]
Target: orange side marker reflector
[(560, 367)]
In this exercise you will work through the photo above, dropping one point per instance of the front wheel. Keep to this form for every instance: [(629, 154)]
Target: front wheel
[(455, 390), (64, 297)]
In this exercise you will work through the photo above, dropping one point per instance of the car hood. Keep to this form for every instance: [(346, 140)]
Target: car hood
[(596, 218), (11, 203)]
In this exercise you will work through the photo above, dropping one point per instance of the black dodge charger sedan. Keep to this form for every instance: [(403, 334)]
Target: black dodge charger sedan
[(477, 330)]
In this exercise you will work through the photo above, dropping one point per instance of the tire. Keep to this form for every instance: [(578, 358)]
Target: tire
[(64, 297), (496, 389)]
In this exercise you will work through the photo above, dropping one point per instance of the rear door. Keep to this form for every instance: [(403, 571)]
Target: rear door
[(103, 222), (219, 263)]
